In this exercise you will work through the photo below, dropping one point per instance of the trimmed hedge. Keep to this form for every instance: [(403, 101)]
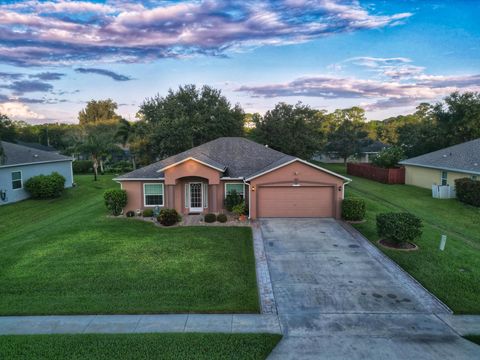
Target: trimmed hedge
[(115, 200), (399, 228), (353, 209), (168, 217), (210, 218), (45, 186), (222, 218), (468, 191), (147, 213), (82, 166)]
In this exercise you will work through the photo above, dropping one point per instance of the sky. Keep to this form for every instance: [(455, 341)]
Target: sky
[(386, 56)]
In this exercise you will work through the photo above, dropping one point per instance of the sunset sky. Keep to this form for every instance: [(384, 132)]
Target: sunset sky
[(386, 56)]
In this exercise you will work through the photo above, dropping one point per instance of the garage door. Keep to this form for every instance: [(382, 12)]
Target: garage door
[(292, 201)]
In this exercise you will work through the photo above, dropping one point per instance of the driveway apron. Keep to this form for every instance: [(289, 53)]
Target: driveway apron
[(339, 297)]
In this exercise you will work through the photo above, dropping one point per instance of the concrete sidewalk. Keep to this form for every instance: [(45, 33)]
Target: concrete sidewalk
[(83, 324)]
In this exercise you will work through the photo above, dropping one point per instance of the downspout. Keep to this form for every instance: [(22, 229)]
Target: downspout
[(249, 197), (343, 188)]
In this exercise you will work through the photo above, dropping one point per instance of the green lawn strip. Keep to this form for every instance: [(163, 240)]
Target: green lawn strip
[(66, 256), (138, 346), (452, 275), (473, 338)]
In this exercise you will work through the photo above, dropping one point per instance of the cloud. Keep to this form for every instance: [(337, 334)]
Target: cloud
[(23, 86), (386, 94), (10, 76), (19, 111), (47, 76), (115, 76), (62, 32), (394, 67)]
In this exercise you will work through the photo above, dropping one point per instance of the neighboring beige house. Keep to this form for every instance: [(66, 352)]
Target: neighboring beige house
[(271, 183), (443, 167)]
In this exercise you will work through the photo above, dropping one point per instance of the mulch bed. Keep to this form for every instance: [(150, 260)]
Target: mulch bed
[(402, 247)]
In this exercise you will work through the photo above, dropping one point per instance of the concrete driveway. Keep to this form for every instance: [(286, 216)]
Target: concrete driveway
[(338, 297)]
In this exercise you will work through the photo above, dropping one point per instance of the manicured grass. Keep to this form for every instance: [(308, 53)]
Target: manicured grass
[(138, 346), (452, 275), (473, 338), (65, 256)]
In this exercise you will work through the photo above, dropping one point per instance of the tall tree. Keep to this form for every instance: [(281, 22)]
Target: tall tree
[(292, 129), (458, 117), (98, 111), (7, 128), (189, 117), (347, 134), (127, 135)]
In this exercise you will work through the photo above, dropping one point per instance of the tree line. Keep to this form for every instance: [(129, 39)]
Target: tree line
[(190, 116)]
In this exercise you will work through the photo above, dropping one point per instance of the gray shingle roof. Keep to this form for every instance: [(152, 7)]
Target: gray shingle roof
[(237, 157), (463, 157), (14, 154)]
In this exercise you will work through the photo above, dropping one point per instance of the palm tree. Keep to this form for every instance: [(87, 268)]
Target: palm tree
[(125, 134)]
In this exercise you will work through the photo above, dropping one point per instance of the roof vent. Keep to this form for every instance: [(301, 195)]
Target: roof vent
[(444, 155), (475, 164), (266, 145), (35, 155)]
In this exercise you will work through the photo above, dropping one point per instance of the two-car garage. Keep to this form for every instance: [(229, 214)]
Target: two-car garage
[(296, 189), (296, 201)]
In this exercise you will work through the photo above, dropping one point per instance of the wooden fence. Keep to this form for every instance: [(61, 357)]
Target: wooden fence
[(368, 171)]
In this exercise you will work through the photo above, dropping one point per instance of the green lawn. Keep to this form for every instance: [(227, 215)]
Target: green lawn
[(138, 346), (452, 275), (65, 256)]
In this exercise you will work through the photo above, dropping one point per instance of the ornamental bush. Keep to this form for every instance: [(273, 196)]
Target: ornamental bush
[(468, 191), (45, 186), (115, 200), (147, 213), (399, 228), (239, 209), (353, 209), (232, 199), (222, 218), (168, 217), (389, 157), (210, 218), (82, 166)]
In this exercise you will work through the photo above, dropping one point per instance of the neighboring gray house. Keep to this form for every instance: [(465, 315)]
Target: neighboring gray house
[(444, 166), (18, 163)]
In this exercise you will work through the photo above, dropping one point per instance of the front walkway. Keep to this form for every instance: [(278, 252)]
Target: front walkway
[(84, 324), (339, 297)]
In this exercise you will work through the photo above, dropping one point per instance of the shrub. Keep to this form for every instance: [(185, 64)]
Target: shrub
[(468, 191), (82, 166), (168, 217), (115, 200), (399, 228), (232, 199), (45, 186), (147, 213), (353, 209), (389, 157), (120, 167), (239, 209), (210, 218), (130, 213), (222, 218)]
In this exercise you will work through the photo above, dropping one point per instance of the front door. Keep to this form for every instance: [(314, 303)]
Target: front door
[(196, 201)]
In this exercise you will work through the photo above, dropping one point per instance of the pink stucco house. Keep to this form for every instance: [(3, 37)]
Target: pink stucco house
[(272, 183)]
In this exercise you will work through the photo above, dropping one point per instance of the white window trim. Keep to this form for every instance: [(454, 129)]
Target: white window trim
[(145, 196), (21, 179), (234, 183), (443, 178)]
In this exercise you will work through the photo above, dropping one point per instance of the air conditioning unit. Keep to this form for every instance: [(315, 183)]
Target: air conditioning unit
[(443, 191)]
